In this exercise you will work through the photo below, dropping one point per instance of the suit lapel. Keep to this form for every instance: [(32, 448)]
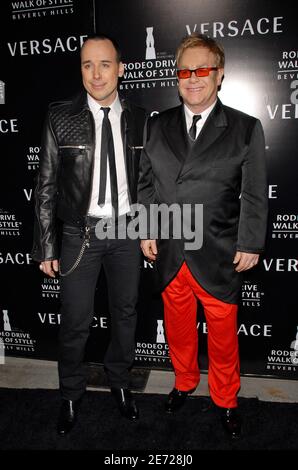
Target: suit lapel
[(175, 132), (214, 127), (127, 124)]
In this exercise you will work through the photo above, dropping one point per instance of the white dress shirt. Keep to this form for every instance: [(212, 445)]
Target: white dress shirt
[(123, 201), (200, 123)]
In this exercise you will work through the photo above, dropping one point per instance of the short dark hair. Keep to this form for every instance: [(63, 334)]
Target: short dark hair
[(103, 37), (201, 40)]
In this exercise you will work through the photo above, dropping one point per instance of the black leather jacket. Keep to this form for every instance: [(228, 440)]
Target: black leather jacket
[(64, 182)]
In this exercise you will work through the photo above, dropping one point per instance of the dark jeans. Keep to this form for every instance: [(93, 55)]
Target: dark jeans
[(121, 261)]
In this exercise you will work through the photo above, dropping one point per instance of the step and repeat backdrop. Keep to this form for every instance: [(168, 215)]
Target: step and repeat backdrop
[(39, 50)]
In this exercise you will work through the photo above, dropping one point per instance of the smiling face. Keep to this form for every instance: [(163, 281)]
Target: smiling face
[(198, 93), (100, 70)]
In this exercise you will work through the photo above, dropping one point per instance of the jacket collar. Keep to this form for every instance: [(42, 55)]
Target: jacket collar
[(79, 103), (213, 128), (174, 129)]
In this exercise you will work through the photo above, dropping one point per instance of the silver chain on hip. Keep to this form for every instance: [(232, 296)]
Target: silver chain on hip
[(86, 244)]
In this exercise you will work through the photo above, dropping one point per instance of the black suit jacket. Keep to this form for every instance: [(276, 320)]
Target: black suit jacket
[(226, 161)]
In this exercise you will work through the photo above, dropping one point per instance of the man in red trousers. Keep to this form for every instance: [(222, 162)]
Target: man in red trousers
[(203, 152)]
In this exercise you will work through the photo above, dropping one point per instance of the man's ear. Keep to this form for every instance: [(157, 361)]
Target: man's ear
[(220, 75), (121, 69)]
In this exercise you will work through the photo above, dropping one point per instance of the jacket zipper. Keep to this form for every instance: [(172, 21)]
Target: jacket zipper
[(72, 146), (123, 126), (93, 156)]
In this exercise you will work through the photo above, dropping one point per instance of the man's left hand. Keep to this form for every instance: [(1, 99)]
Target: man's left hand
[(245, 261)]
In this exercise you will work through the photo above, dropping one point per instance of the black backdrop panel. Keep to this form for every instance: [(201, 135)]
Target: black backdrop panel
[(40, 46), (260, 73), (40, 43)]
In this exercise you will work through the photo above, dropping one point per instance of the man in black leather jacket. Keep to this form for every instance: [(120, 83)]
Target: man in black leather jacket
[(77, 138)]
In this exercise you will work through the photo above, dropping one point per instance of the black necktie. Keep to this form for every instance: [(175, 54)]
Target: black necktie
[(107, 152), (193, 129)]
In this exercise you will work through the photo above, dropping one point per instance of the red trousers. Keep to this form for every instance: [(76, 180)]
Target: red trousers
[(180, 311)]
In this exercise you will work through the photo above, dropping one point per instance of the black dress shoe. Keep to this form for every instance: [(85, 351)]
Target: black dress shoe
[(206, 404), (126, 403), (231, 422), (67, 416), (176, 400)]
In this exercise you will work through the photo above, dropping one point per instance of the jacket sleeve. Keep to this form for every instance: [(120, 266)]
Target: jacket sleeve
[(254, 195), (146, 188), (45, 230)]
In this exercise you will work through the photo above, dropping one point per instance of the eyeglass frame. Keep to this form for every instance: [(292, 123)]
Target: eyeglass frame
[(208, 69)]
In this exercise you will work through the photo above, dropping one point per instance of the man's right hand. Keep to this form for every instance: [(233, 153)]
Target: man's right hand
[(49, 267), (149, 249)]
